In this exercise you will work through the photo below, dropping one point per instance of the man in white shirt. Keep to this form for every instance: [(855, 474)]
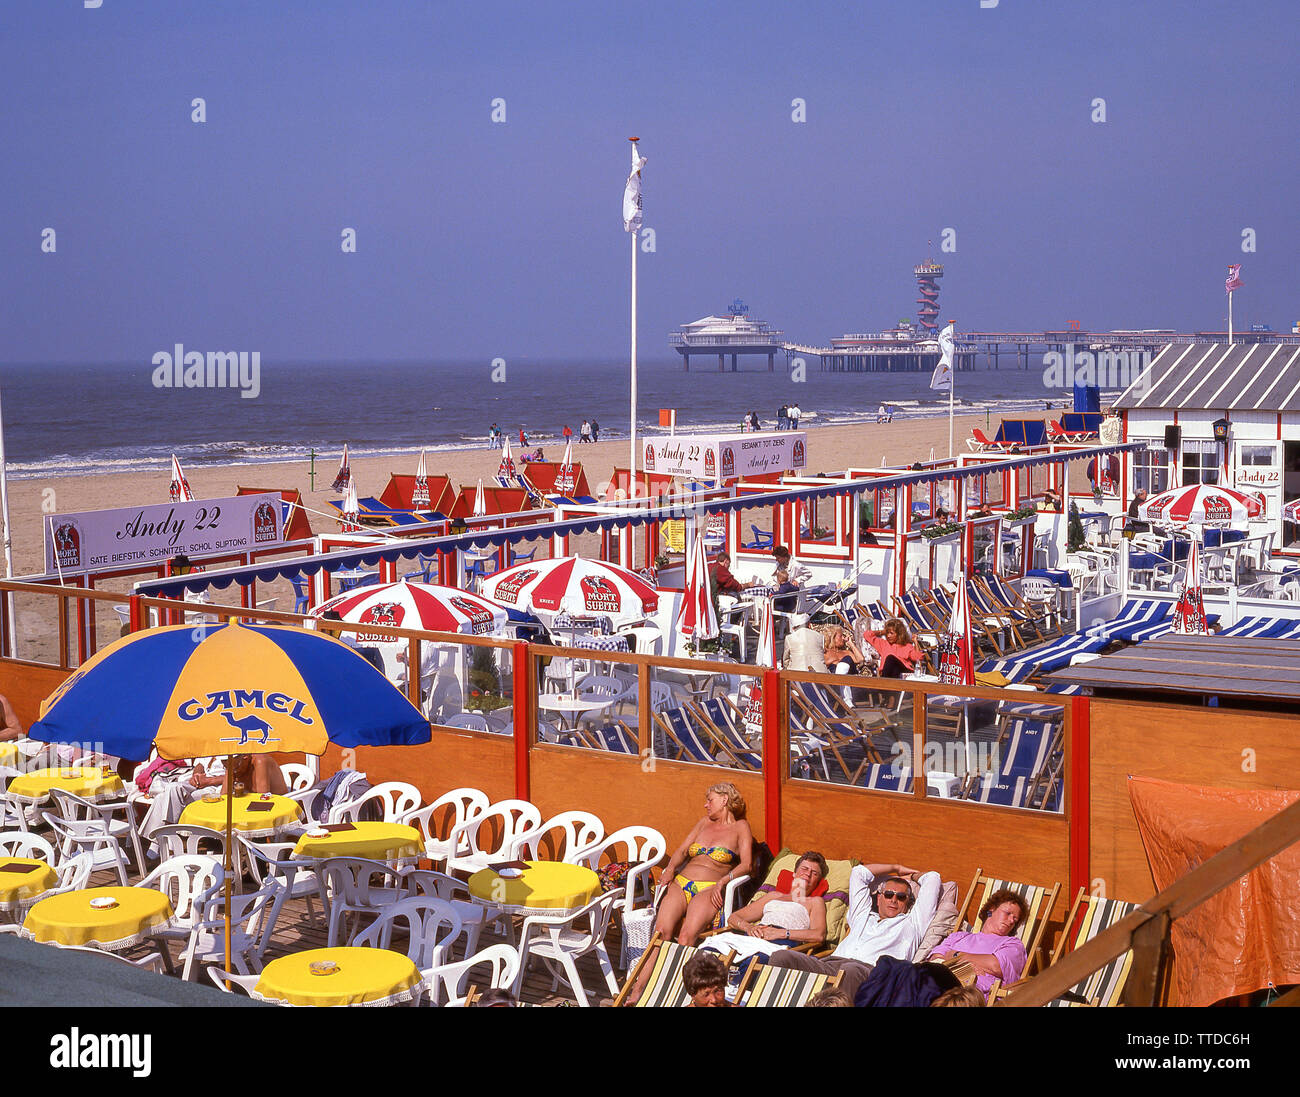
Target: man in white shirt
[(887, 917), (794, 413), (799, 575)]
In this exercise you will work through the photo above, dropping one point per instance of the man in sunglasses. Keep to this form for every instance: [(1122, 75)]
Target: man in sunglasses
[(887, 917)]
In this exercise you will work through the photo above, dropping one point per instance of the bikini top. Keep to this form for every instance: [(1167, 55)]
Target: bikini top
[(720, 854)]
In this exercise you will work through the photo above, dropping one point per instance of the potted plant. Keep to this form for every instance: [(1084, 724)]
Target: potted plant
[(1022, 515), (941, 531)]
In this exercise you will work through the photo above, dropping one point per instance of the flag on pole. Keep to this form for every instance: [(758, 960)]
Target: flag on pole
[(632, 192), (1189, 613), (1234, 278), (420, 496), (942, 378), (344, 476), (180, 487)]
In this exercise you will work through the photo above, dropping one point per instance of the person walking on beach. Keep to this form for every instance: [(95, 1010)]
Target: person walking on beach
[(781, 417), (753, 421), (595, 431), (584, 432), (523, 438), (494, 437), (568, 434), (794, 413)]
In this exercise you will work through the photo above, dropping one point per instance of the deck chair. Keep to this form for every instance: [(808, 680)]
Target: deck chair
[(1046, 658), (689, 734), (780, 986), (919, 615), (1008, 596), (1088, 917), (825, 723), (1001, 629), (724, 721), (1022, 624), (614, 736), (884, 777), (1040, 899), (979, 441), (664, 987), (1138, 619), (762, 539), (1028, 747)]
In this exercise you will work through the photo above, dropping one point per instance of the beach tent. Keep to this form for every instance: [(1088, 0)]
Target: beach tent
[(1081, 423), (542, 475), (292, 517), (400, 490), (496, 500)]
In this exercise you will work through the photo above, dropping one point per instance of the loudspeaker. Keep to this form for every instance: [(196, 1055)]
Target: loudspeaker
[(1173, 437)]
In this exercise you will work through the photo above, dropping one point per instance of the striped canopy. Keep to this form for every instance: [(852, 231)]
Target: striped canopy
[(417, 606), (227, 689), (573, 585), (1200, 504), (698, 620)]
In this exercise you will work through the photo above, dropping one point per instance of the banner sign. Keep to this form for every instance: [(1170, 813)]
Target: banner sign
[(145, 536), (725, 457)]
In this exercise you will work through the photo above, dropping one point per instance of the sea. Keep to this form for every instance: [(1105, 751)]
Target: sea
[(83, 419)]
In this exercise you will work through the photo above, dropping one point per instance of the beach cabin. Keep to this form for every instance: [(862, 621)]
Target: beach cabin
[(401, 489), (1219, 413)]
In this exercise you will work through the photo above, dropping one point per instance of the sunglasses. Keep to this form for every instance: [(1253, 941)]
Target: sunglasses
[(901, 896)]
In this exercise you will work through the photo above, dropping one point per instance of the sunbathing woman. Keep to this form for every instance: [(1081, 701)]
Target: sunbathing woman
[(898, 655)]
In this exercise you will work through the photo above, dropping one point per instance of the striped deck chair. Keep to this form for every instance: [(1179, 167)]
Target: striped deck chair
[(1264, 628), (724, 721), (614, 736), (1088, 917), (781, 986), (1000, 627), (822, 722), (664, 987), (1056, 653), (1030, 752), (917, 613), (1040, 900), (1007, 595), (1291, 632), (885, 777), (694, 741), (1138, 619)]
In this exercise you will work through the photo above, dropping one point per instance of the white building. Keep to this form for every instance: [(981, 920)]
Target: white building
[(1252, 391)]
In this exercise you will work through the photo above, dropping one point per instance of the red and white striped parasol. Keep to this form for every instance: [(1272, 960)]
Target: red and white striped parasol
[(420, 496), (180, 487), (1189, 613), (506, 470), (416, 606), (344, 476), (565, 481), (480, 501), (574, 586), (698, 620), (956, 656), (1201, 505), (351, 521)]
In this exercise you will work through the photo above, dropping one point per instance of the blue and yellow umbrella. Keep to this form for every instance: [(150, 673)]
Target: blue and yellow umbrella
[(227, 689)]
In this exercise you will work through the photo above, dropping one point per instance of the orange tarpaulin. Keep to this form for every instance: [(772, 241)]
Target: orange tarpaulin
[(1248, 935)]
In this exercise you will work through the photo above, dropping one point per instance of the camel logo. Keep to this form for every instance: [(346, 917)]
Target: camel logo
[(252, 723), (710, 465), (508, 589), (1217, 509), (265, 527), (599, 595), (480, 617), (797, 460), (649, 457), (67, 545), (728, 463), (389, 614)]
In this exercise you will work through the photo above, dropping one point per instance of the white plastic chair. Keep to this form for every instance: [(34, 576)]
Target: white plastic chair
[(23, 843), (189, 881), (298, 879), (396, 798), (515, 818), (297, 777), (577, 830), (560, 943), (248, 930), (72, 807), (432, 927), (469, 721), (438, 885), (176, 839), (351, 885), (447, 982), (88, 838), (645, 848), (464, 804), (74, 874), (246, 983)]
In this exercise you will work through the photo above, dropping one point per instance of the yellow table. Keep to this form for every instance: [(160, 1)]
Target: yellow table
[(361, 977), (375, 841), (251, 815), (545, 888), (88, 782), (22, 882), (69, 919)]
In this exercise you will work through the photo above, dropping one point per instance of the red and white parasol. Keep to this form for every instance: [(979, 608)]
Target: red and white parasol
[(1201, 505), (506, 470), (697, 619), (480, 501), (344, 476), (180, 487), (420, 496), (416, 606), (351, 521), (565, 480), (956, 656), (1189, 613), (573, 586)]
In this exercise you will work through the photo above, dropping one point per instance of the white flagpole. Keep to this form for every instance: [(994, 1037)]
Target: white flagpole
[(632, 459), (1229, 317), (952, 387)]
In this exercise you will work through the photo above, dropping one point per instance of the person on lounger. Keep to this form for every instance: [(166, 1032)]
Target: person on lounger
[(995, 952), (704, 978), (886, 918), (794, 914)]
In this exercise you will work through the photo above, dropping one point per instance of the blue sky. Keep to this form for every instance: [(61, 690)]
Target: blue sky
[(478, 239)]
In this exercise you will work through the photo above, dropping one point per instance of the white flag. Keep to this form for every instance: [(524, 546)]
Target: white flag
[(942, 378), (632, 193)]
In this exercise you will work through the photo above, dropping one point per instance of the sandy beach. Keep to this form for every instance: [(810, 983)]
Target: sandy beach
[(830, 449)]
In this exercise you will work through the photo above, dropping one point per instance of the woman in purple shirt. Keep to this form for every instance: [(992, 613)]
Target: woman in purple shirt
[(995, 952)]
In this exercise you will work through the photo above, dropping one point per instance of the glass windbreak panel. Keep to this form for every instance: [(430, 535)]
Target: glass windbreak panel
[(1004, 753), (463, 686), (709, 716), (587, 701), (984, 559), (850, 732)]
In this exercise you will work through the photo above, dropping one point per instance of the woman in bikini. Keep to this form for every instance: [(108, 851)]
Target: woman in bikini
[(718, 849)]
